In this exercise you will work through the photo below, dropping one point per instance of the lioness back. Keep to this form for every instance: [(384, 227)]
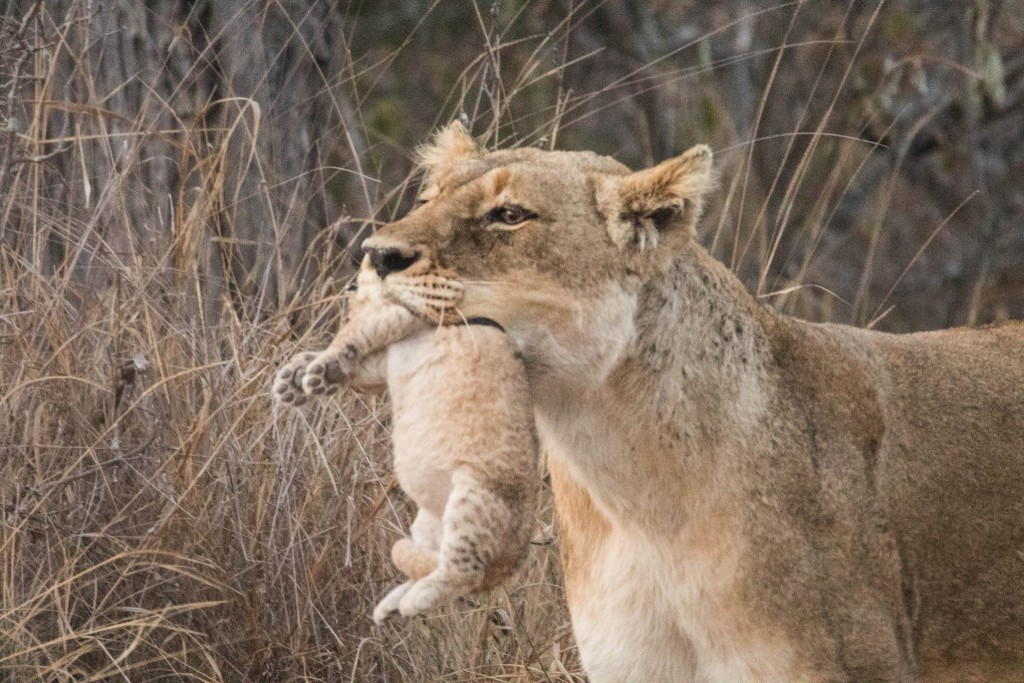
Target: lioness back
[(956, 495), (941, 417)]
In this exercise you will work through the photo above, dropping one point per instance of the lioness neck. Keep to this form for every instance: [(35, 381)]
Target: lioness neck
[(700, 336), (696, 365)]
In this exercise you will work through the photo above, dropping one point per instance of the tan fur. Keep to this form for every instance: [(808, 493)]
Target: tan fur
[(465, 447), (741, 496)]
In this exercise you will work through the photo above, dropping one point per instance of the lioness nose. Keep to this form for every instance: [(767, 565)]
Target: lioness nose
[(391, 260)]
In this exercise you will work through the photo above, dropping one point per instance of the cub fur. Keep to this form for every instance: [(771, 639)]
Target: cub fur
[(464, 440), (741, 496)]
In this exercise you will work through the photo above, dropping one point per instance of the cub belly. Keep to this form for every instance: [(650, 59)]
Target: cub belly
[(446, 386)]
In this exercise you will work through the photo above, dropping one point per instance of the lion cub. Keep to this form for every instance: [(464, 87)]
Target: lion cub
[(465, 447)]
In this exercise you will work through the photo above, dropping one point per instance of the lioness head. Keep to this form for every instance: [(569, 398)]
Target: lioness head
[(554, 246)]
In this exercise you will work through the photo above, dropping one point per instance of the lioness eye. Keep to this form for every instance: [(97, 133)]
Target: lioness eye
[(509, 214)]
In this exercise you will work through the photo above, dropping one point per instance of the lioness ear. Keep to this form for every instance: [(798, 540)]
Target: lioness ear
[(449, 145), (643, 206)]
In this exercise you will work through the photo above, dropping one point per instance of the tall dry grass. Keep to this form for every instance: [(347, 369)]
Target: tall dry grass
[(159, 520)]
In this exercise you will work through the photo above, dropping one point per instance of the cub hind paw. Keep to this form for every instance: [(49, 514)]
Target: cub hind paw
[(426, 594), (389, 605)]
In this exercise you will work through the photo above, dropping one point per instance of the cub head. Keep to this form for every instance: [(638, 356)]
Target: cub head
[(553, 246)]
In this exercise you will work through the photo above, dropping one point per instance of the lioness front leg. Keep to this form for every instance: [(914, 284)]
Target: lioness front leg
[(367, 331), (475, 526)]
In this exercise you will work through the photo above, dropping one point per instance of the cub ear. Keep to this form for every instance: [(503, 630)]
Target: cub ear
[(644, 206), (449, 144)]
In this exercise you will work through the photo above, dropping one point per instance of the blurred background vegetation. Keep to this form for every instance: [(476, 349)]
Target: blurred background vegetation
[(183, 184)]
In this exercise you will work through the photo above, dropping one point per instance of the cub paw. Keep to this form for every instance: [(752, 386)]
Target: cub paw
[(324, 372), (287, 387), (425, 595), (389, 605), (290, 386)]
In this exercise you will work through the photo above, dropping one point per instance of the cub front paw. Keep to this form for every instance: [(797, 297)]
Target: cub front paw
[(288, 380), (324, 372), (309, 374)]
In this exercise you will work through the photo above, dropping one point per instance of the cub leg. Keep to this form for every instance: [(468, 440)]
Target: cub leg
[(475, 525), (368, 330), (415, 557), (368, 375)]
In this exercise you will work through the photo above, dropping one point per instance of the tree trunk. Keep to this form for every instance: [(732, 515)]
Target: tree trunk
[(187, 137)]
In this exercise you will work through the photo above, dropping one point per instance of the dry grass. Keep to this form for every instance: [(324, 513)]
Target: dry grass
[(159, 521)]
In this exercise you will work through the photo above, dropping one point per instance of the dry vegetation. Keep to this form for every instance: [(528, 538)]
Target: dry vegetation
[(165, 167)]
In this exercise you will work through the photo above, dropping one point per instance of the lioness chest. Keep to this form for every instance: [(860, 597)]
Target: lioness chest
[(657, 609), (653, 599)]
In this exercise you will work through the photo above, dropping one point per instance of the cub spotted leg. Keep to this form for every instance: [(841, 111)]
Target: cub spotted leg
[(475, 525)]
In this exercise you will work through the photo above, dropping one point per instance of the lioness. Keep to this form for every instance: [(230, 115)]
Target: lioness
[(741, 496), (465, 445)]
